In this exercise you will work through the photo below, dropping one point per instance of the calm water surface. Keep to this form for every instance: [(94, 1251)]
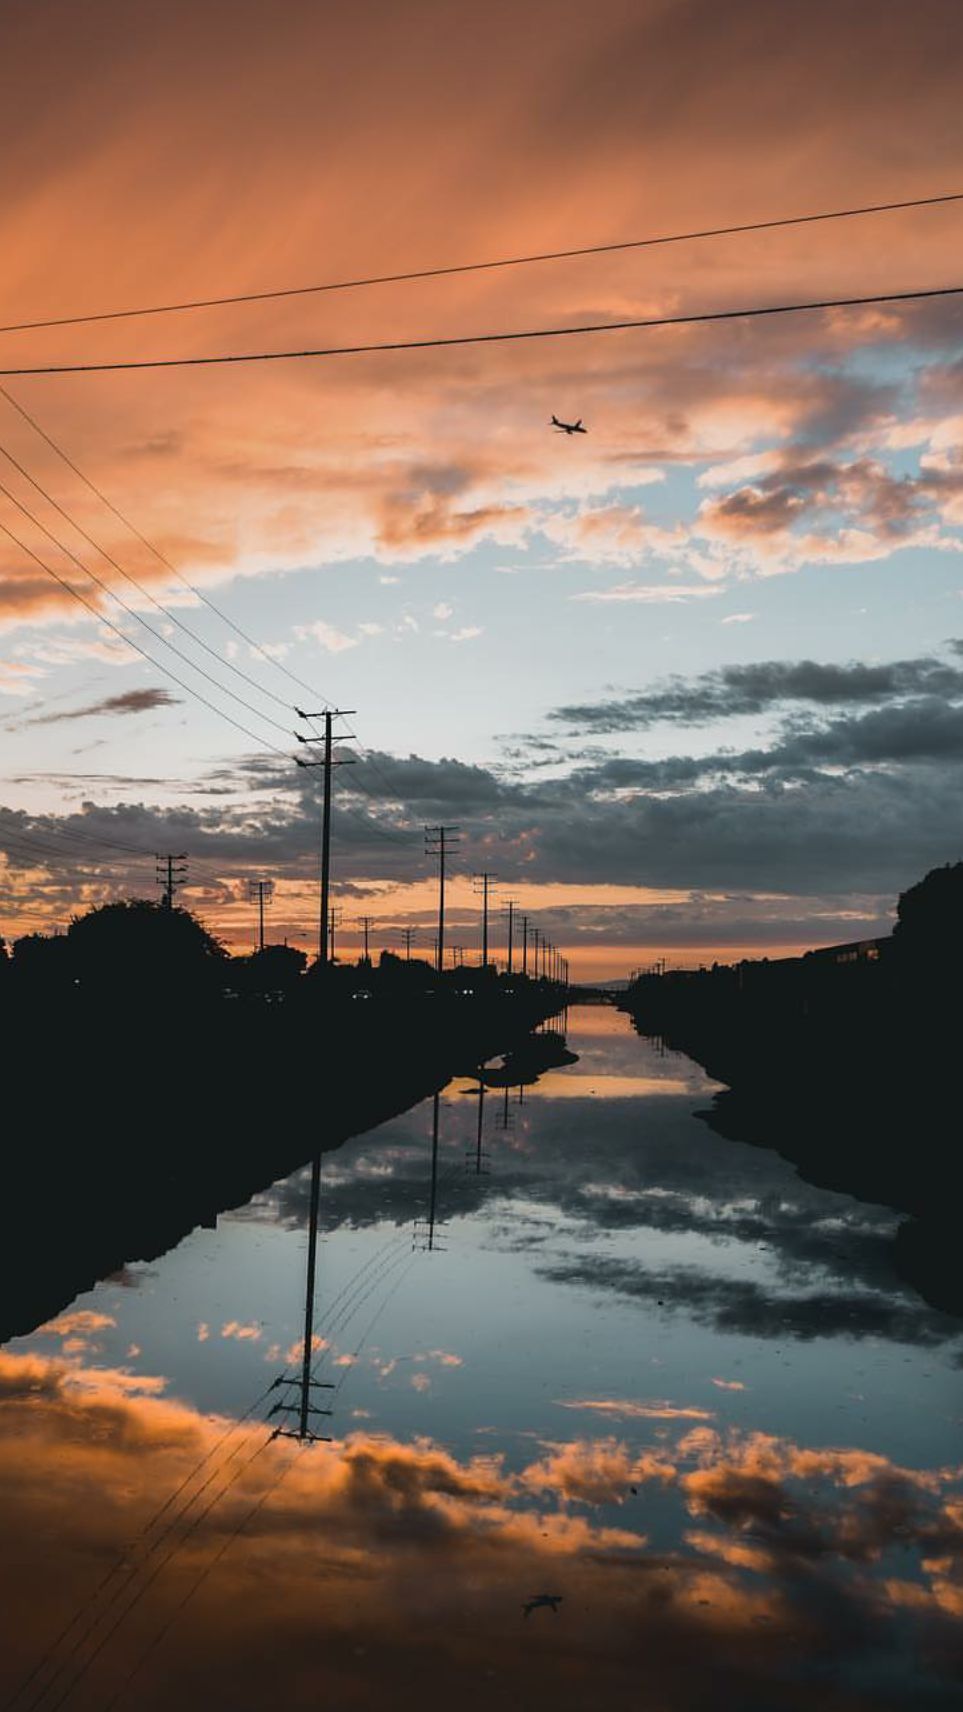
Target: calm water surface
[(639, 1366)]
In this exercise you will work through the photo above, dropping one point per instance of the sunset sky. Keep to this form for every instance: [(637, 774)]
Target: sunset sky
[(691, 684)]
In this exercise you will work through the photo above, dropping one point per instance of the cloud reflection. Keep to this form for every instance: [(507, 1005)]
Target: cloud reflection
[(373, 1568)]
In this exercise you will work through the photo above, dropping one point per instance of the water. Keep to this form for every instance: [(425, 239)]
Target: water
[(641, 1367)]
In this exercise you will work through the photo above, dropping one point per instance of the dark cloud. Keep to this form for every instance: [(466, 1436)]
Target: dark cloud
[(863, 493), (857, 808), (761, 686), (829, 1259), (856, 794), (749, 1309), (129, 701)]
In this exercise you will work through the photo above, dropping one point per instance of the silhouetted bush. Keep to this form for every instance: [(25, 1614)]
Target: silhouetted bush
[(276, 969), (929, 925), (42, 963), (144, 948)]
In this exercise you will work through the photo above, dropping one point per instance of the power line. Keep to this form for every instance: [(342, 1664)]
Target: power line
[(159, 556), (127, 1562), (652, 242), (102, 619), (130, 610), (515, 335), (127, 575)]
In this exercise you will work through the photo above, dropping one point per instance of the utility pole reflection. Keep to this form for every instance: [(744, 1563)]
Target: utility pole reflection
[(303, 1408)]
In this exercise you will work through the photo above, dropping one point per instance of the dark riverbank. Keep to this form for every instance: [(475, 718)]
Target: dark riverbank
[(844, 1065), (128, 1127)]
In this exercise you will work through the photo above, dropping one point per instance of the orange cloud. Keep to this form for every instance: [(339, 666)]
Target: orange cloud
[(622, 1409), (364, 1547), (430, 452)]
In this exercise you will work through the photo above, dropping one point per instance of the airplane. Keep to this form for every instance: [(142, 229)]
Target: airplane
[(568, 427), (551, 1601)]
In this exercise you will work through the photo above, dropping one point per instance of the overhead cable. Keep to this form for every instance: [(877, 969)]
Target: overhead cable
[(703, 317), (620, 245)]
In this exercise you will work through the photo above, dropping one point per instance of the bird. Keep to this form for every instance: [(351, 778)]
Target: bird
[(550, 1601)]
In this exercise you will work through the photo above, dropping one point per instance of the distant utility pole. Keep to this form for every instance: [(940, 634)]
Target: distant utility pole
[(334, 920), (171, 873), (524, 944), (535, 938), (366, 922), (512, 906), (408, 934), (439, 841), (260, 892), (457, 956), (484, 883), (329, 714)]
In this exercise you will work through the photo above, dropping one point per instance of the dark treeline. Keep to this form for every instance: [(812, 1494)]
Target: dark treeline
[(146, 952), (152, 1081), (845, 1060)]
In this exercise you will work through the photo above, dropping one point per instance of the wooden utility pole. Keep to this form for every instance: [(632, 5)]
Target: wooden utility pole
[(484, 883), (327, 763), (439, 841), (304, 1409), (334, 920), (511, 927), (365, 923), (261, 891), (171, 873)]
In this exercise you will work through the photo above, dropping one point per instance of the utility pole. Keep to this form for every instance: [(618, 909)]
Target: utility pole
[(304, 1408), (261, 892), (439, 841), (433, 1202), (366, 922), (424, 1237), (479, 1154), (408, 934), (329, 714), (512, 906), (171, 874), (535, 937), (524, 944), (484, 883), (334, 920)]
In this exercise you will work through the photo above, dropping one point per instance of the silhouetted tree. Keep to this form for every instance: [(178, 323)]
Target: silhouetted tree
[(143, 947), (42, 962), (929, 925), (276, 969)]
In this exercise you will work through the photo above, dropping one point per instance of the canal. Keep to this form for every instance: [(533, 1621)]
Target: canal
[(616, 1413)]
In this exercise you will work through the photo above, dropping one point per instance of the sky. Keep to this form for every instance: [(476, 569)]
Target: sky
[(690, 684)]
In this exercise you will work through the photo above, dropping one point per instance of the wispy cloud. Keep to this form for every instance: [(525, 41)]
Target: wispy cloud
[(652, 594), (130, 701)]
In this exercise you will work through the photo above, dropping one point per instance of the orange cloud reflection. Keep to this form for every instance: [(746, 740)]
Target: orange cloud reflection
[(375, 1571)]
